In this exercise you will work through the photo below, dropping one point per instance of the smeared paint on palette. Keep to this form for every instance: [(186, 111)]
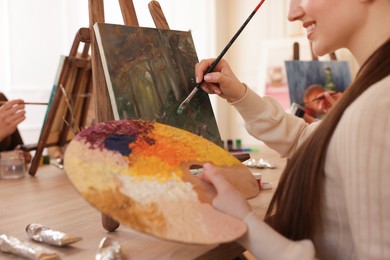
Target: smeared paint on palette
[(137, 172)]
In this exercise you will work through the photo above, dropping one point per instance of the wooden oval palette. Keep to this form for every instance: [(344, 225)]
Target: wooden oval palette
[(137, 172)]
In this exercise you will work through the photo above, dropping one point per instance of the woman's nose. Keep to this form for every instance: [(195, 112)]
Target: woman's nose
[(296, 11)]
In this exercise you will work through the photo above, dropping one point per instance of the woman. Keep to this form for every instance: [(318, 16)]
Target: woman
[(332, 201)]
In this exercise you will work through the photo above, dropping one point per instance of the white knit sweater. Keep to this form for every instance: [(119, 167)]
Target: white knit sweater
[(357, 187)]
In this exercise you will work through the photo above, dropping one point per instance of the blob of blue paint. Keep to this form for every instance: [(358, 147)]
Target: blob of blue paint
[(119, 143)]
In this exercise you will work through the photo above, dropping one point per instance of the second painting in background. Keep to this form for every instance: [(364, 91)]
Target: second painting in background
[(308, 79)]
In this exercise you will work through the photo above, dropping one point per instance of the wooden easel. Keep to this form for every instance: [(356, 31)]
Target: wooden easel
[(96, 15), (103, 109), (67, 111), (314, 56)]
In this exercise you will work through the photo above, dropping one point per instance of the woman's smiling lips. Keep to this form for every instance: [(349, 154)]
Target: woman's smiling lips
[(310, 26)]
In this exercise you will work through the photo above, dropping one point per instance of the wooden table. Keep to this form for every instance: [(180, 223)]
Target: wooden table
[(50, 199)]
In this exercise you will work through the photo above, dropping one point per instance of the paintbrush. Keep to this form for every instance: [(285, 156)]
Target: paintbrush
[(184, 104), (26, 103)]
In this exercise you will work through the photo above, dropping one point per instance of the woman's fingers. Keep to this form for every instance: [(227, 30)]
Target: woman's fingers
[(228, 199), (12, 113), (13, 103), (220, 81), (12, 107), (201, 68), (219, 182)]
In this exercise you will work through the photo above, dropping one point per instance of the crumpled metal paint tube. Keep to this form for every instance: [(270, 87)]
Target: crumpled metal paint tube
[(12, 245), (49, 236), (108, 250)]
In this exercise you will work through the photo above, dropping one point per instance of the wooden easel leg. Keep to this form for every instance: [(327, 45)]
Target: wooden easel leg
[(109, 224)]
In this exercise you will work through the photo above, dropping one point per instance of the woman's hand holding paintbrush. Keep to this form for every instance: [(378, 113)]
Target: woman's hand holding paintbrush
[(12, 113), (213, 65), (222, 81)]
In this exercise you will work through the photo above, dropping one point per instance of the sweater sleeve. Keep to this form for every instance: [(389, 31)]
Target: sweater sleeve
[(265, 243), (266, 120)]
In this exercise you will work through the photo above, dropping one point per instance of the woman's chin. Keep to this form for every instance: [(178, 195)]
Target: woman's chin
[(320, 50)]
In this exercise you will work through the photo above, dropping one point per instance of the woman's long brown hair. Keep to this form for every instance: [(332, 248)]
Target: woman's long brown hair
[(295, 209)]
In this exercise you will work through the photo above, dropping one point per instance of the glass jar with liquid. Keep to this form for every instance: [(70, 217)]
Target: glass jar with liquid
[(12, 165)]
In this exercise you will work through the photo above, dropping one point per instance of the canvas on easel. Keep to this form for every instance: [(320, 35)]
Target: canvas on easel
[(149, 72)]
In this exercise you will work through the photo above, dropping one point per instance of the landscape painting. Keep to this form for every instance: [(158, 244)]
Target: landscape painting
[(149, 72)]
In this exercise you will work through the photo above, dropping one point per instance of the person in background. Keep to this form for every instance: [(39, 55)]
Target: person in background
[(317, 102), (12, 113), (313, 111), (332, 200)]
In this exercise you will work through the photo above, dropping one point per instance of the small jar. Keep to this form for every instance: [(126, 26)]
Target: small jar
[(12, 165)]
